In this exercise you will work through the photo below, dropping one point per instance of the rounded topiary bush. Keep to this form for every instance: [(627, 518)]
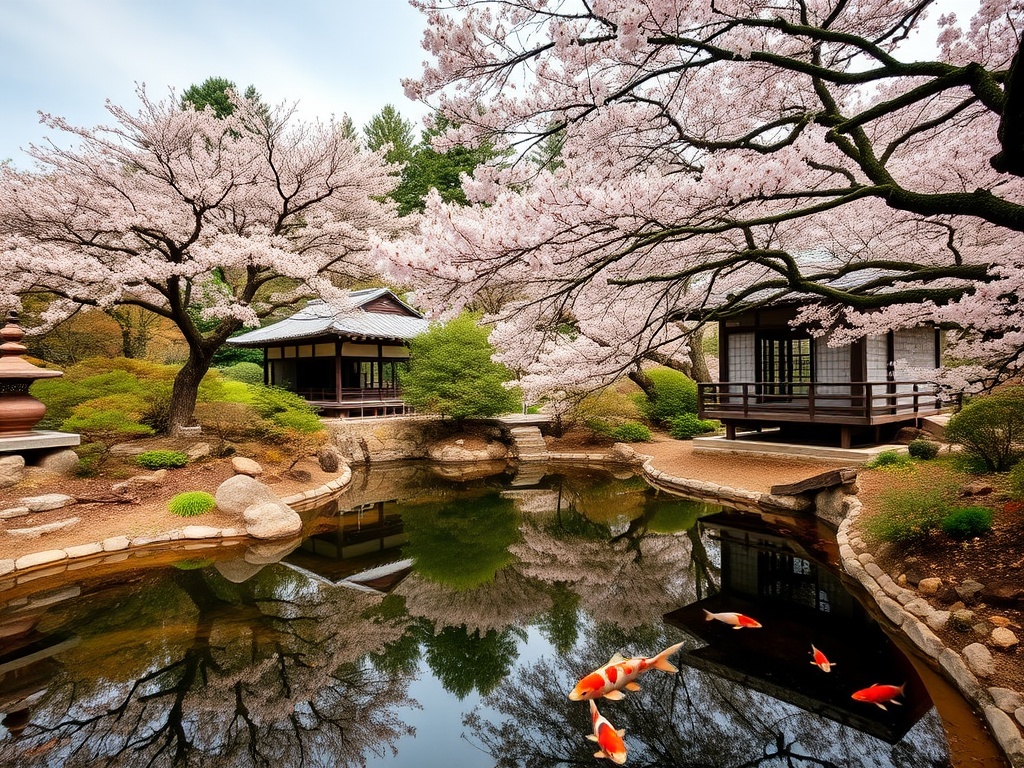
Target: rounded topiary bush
[(967, 523), (631, 432), (923, 449), (191, 503), (248, 373), (162, 459), (688, 425), (674, 394), (889, 459)]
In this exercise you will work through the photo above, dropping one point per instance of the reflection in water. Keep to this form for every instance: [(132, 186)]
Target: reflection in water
[(426, 610)]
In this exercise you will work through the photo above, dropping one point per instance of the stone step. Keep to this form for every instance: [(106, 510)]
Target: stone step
[(39, 530)]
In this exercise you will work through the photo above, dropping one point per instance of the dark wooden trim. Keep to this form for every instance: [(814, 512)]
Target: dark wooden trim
[(337, 368), (266, 367), (938, 347), (723, 351), (890, 356)]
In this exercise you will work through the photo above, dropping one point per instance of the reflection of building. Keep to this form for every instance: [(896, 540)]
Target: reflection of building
[(361, 549), (799, 601)]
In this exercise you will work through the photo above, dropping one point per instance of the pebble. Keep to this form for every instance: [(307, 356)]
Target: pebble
[(1003, 638)]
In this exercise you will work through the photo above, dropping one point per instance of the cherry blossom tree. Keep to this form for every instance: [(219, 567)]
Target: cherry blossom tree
[(212, 223), (718, 156)]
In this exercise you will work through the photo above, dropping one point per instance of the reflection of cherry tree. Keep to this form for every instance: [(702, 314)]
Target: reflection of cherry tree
[(690, 719), (271, 671)]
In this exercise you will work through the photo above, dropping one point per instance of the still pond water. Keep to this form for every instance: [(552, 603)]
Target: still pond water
[(433, 621)]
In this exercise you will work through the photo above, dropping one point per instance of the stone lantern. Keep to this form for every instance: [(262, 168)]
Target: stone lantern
[(19, 411)]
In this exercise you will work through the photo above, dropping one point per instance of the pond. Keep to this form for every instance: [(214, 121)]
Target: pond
[(442, 621)]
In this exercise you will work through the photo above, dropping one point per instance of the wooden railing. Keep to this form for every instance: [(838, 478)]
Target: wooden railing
[(863, 402), (354, 395)]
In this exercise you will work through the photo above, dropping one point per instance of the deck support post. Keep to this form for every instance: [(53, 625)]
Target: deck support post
[(730, 431), (845, 437)]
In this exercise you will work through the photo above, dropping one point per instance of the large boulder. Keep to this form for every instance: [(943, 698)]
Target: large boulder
[(238, 493), (463, 450), (271, 520)]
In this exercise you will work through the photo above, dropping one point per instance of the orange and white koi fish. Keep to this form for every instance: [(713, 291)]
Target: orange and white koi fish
[(619, 673), (608, 739), (735, 620), (819, 660), (879, 695)]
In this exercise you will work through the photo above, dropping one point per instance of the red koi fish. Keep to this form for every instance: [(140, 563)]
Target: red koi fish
[(735, 620), (879, 695), (608, 739), (819, 660), (619, 673)]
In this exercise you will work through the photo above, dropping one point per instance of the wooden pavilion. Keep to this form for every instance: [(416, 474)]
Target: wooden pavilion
[(772, 374), (345, 361)]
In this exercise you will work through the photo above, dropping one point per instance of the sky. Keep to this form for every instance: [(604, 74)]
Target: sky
[(68, 57)]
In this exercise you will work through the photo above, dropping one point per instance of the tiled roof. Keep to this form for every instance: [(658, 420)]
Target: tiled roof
[(319, 319)]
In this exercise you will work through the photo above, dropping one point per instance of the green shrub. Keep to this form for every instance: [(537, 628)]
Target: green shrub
[(631, 432), (992, 428), (249, 373), (893, 459), (104, 425), (910, 511), (1015, 484), (687, 425), (674, 394), (923, 449), (162, 459), (191, 503), (967, 523)]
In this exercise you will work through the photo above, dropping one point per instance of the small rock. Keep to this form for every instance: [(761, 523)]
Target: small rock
[(915, 574), (272, 520), (12, 469), (46, 502), (329, 458), (902, 580), (937, 620), (1007, 700), (38, 530), (981, 629), (7, 514), (929, 586), (999, 621), (979, 660), (919, 607), (968, 590), (1003, 638), (200, 532), (139, 481), (962, 620), (198, 451), (116, 543), (977, 488), (244, 466), (127, 449), (60, 462)]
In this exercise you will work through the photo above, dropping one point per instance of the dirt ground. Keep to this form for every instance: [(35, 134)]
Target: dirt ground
[(998, 557)]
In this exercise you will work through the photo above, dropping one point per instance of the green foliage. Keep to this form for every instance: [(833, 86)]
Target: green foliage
[(104, 424), (992, 428), (212, 92), (1015, 482), (674, 394), (389, 127), (249, 373), (228, 355), (285, 409), (451, 372), (967, 523), (891, 459), (687, 425), (911, 510), (161, 459), (923, 449), (191, 503), (631, 432), (678, 515)]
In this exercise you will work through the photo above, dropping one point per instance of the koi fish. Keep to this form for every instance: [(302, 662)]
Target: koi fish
[(608, 739), (736, 620), (820, 661), (619, 673), (879, 695)]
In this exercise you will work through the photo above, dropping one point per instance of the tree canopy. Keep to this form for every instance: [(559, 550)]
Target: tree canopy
[(717, 157), (214, 92), (212, 223)]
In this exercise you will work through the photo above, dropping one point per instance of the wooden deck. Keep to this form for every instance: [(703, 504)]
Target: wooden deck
[(357, 401), (844, 404)]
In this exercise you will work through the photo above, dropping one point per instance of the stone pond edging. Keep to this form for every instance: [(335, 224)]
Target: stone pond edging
[(51, 562), (903, 607)]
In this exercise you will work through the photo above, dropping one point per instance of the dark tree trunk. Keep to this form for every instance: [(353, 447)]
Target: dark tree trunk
[(642, 380), (186, 387), (698, 362)]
